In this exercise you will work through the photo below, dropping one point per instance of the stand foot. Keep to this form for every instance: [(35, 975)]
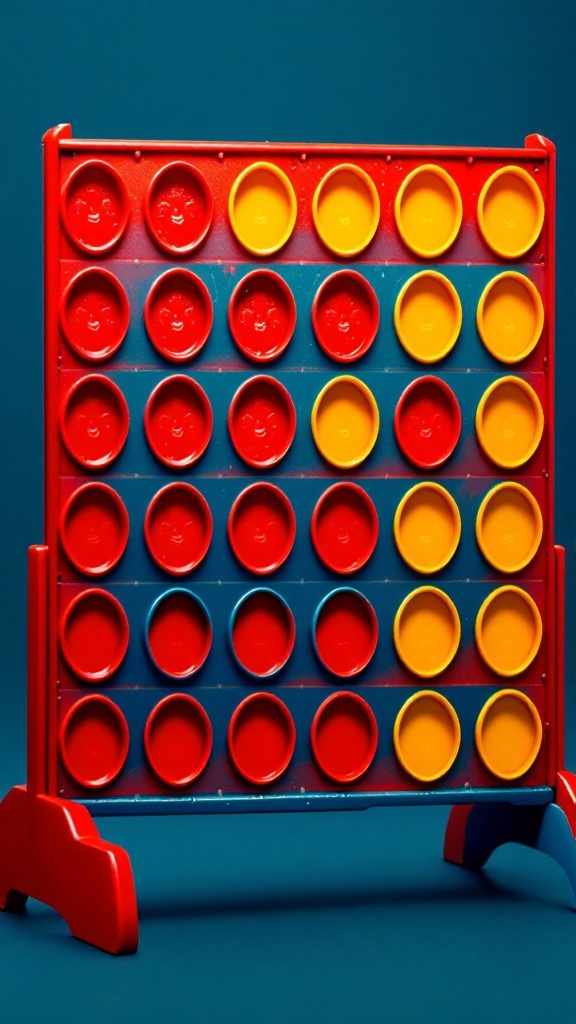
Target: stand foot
[(50, 850), (475, 831)]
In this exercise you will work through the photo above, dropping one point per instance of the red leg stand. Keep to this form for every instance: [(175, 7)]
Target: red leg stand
[(50, 848)]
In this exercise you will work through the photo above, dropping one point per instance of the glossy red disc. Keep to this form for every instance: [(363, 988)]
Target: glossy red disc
[(178, 314), (262, 421), (427, 422), (94, 314), (94, 635), (94, 528), (262, 315), (262, 632), (94, 421), (344, 737), (262, 528), (178, 421), (344, 527), (178, 633), (178, 208), (94, 741), (345, 316), (261, 738), (345, 632), (95, 207), (178, 739), (178, 528)]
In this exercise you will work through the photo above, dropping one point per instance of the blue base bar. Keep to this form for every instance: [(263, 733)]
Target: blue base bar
[(536, 796)]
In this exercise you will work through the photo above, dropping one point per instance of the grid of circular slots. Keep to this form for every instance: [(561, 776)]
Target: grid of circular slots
[(348, 325)]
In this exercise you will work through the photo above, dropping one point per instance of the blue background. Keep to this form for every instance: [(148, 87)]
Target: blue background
[(327, 917)]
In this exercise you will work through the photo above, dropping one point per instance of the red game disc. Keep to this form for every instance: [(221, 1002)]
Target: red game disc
[(178, 739), (344, 737), (94, 421), (262, 632), (344, 527), (94, 741), (345, 632), (262, 421), (178, 421), (94, 529), (178, 528), (178, 314), (95, 207), (94, 314), (262, 528), (178, 208), (178, 633), (262, 315), (427, 422), (261, 738), (345, 316), (94, 635)]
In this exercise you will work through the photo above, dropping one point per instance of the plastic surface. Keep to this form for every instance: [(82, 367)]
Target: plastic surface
[(427, 631), (178, 208), (428, 316), (94, 529), (94, 421), (344, 527), (345, 316), (262, 632), (94, 740), (94, 314), (345, 421), (262, 421), (510, 317), (178, 633), (508, 734), (262, 315), (345, 631), (509, 422), (344, 737), (509, 630), (262, 528), (346, 210), (178, 739), (428, 210), (427, 736), (427, 527), (262, 208), (509, 527), (94, 634), (178, 421), (510, 212), (95, 208), (178, 528), (178, 315), (261, 738), (427, 422)]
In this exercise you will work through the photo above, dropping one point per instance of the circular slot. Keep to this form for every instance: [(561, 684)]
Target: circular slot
[(94, 635), (427, 736), (178, 315), (178, 208), (508, 734), (94, 314), (262, 632), (178, 528), (262, 421), (344, 527), (262, 315), (262, 528), (346, 210), (510, 317), (509, 527), (427, 422), (95, 207), (344, 737), (261, 738), (94, 421), (94, 529), (178, 633), (345, 422), (262, 208), (345, 316), (508, 631), (178, 739), (428, 211), (94, 741), (345, 632), (427, 632), (427, 527), (428, 316), (178, 421), (510, 212), (509, 422)]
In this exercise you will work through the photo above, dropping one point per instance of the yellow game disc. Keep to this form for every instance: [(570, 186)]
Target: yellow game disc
[(508, 734), (509, 422), (427, 631), (346, 210), (427, 527), (510, 212), (428, 316), (428, 210), (508, 630), (509, 527), (427, 736), (262, 208), (510, 317), (345, 421)]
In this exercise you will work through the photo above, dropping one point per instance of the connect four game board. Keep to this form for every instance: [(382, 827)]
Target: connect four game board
[(299, 479)]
